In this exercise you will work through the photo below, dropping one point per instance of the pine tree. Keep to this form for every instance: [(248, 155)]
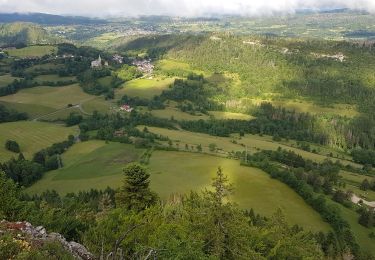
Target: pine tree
[(135, 193)]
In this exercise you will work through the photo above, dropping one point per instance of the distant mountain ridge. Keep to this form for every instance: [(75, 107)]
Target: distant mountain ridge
[(47, 19)]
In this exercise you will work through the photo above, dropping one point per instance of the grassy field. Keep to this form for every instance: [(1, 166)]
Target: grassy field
[(144, 88), (105, 81), (59, 115), (33, 110), (360, 232), (230, 115), (6, 79), (44, 67), (177, 114), (52, 78), (31, 136), (95, 164), (97, 104), (178, 172), (50, 98), (353, 182), (33, 51), (303, 106), (253, 142), (92, 164), (171, 67)]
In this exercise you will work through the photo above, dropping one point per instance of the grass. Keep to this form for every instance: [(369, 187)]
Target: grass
[(105, 81), (303, 106), (60, 115), (253, 142), (177, 68), (230, 115), (97, 104), (44, 67), (33, 51), (95, 164), (360, 232), (178, 172), (33, 110), (50, 98), (353, 182), (256, 142), (144, 88), (6, 79), (91, 164), (31, 136), (52, 78), (177, 114)]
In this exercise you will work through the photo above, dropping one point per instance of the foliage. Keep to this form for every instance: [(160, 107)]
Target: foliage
[(128, 73), (13, 146), (135, 193), (73, 119), (199, 226), (8, 115)]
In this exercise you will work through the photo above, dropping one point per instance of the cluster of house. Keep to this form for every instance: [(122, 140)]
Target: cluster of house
[(126, 108), (99, 63), (117, 58), (145, 66), (338, 56)]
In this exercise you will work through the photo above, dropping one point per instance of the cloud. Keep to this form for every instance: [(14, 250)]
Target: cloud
[(101, 8)]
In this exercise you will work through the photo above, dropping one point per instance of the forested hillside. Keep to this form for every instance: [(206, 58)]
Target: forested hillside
[(14, 34)]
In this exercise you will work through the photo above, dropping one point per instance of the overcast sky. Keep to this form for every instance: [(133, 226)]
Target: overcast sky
[(101, 8)]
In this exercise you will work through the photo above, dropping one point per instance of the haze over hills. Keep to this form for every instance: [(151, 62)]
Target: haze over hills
[(47, 19)]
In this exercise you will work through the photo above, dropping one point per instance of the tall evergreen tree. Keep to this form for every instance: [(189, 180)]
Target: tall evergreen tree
[(135, 193)]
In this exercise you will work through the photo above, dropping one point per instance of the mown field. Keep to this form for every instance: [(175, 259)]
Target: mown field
[(304, 106), (52, 78), (353, 182), (32, 136), (44, 67), (175, 113), (95, 164), (360, 232), (97, 104), (172, 67), (45, 100), (254, 143), (32, 51), (144, 88), (6, 79)]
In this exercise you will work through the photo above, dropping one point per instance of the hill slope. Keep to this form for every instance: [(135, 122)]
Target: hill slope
[(24, 33)]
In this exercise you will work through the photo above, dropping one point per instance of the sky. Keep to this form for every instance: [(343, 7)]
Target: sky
[(189, 8)]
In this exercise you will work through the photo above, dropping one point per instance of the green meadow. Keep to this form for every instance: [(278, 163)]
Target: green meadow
[(360, 232), (44, 100), (32, 136), (227, 144), (175, 113), (95, 164), (353, 182), (97, 104), (52, 78), (172, 67), (33, 51), (6, 79), (44, 67), (144, 88)]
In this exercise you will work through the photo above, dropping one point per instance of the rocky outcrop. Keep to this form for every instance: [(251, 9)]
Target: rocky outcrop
[(40, 235)]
